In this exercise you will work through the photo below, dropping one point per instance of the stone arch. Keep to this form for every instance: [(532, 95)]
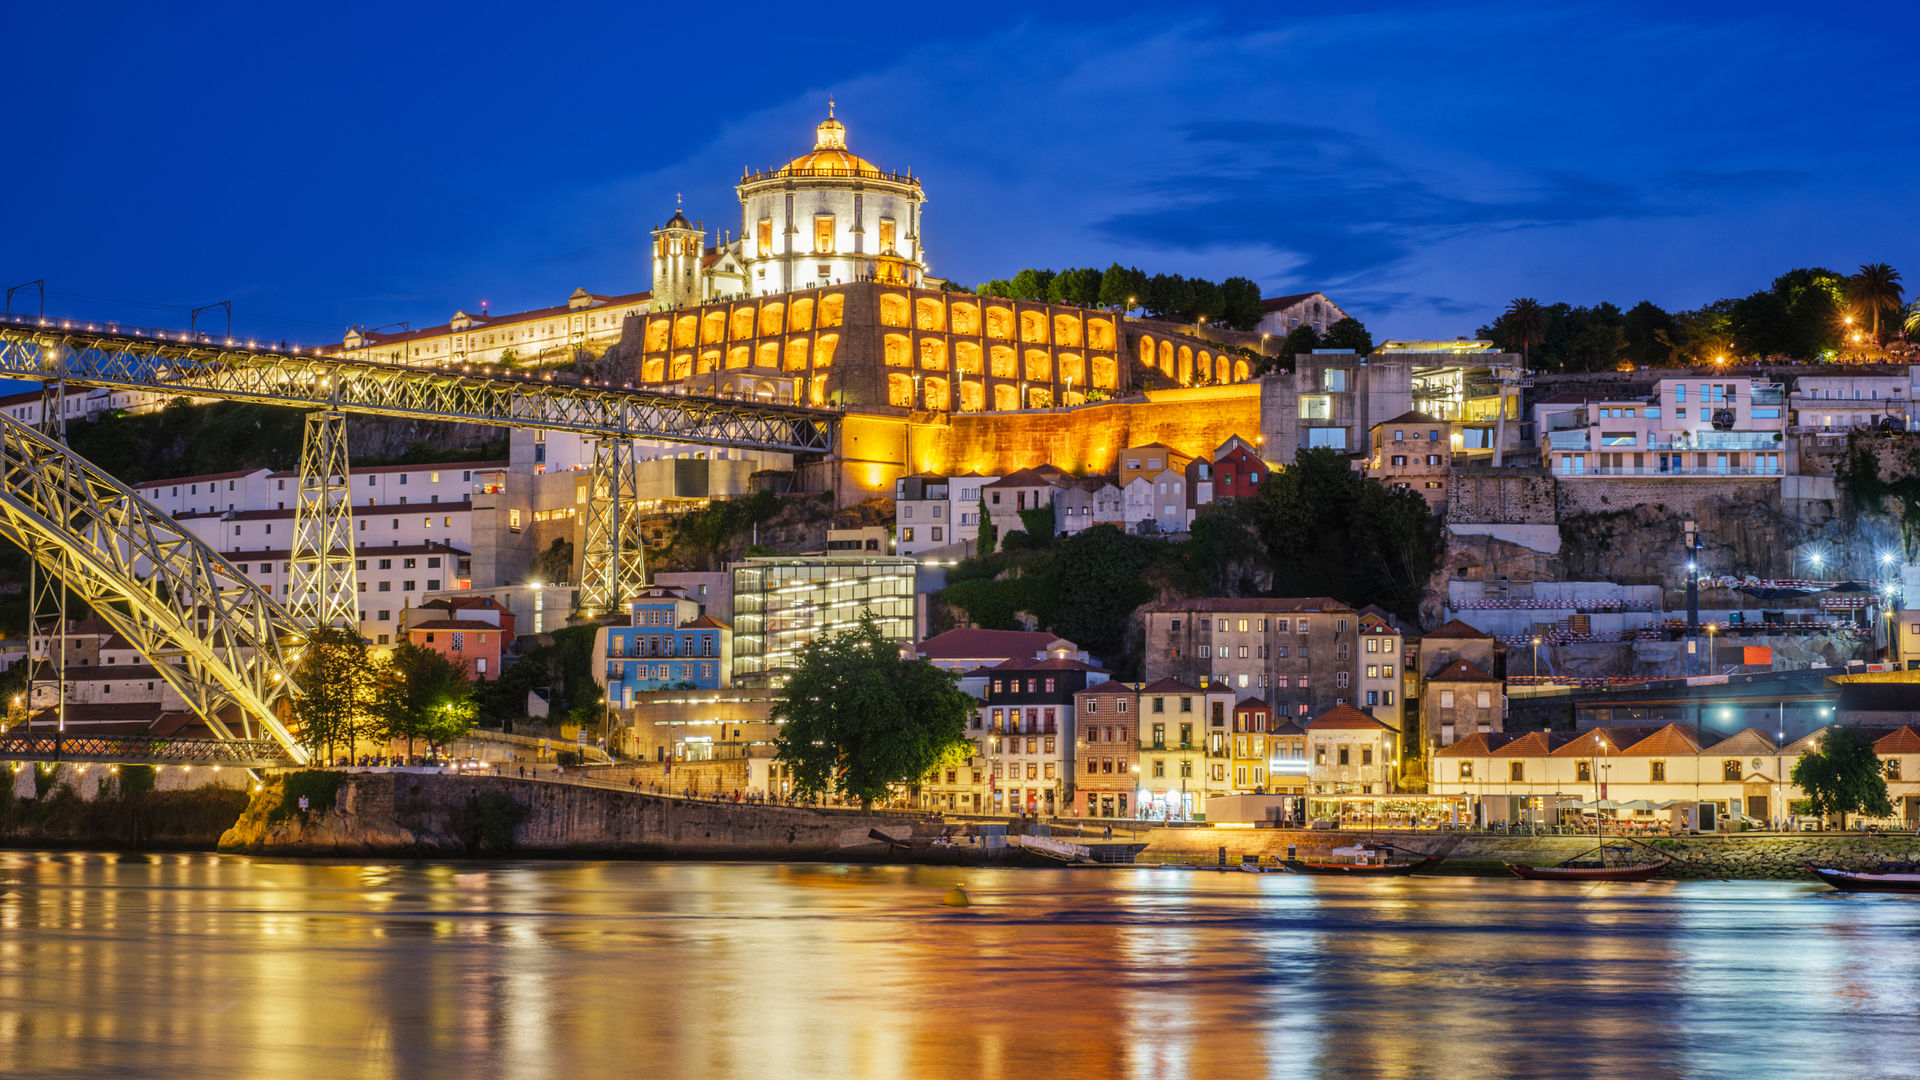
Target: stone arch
[(1073, 369), (772, 318), (713, 327), (1222, 370), (682, 366), (796, 358), (1006, 398), (817, 390), (1039, 366), (653, 370), (709, 359), (999, 322), (685, 329), (966, 317), (1066, 329), (1039, 397), (823, 350), (1033, 327), (739, 356), (832, 309), (1002, 363), (743, 320), (897, 351), (973, 396), (800, 316), (767, 354), (934, 393), (1166, 357), (933, 354), (900, 390), (1099, 333), (893, 309), (966, 357), (657, 330), (1184, 370), (1106, 372), (1146, 351), (1242, 371), (930, 313)]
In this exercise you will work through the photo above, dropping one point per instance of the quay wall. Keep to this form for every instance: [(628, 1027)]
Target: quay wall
[(1736, 856), (397, 813)]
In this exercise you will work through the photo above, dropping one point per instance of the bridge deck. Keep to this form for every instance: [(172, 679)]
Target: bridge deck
[(143, 750)]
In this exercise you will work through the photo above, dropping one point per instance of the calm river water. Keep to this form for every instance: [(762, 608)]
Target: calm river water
[(207, 966)]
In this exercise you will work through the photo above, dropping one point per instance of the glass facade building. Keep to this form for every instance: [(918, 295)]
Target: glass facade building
[(782, 602)]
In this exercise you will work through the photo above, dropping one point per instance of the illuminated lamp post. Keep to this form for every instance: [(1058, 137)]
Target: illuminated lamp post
[(1536, 656), (1712, 629)]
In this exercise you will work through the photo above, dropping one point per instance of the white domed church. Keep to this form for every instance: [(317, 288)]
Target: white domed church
[(827, 217)]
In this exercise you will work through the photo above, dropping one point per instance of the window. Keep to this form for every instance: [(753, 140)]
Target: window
[(1484, 699), (1466, 770), (1343, 755), (1446, 699), (1583, 772), (1657, 771), (1160, 769), (1517, 771), (1730, 770), (1893, 768)]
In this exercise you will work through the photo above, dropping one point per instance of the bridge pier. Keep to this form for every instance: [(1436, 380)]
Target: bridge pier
[(323, 592), (612, 566)]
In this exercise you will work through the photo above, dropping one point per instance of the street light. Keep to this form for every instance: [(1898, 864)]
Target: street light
[(1536, 656), (1712, 629)]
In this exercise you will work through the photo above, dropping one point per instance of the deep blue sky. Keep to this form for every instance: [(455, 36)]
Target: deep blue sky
[(1422, 164)]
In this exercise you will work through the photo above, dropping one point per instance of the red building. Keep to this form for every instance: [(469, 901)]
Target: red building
[(471, 631)]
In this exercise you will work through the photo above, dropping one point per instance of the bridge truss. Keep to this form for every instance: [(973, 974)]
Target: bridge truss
[(144, 750), (214, 636)]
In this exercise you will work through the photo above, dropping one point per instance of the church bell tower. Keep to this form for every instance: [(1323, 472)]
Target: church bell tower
[(677, 248)]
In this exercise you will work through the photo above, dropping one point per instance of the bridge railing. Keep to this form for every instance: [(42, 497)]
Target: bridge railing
[(140, 748)]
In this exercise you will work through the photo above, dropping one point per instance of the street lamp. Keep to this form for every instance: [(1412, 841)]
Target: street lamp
[(1712, 629), (1536, 656)]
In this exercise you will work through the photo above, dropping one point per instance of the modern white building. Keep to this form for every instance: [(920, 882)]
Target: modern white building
[(1731, 425)]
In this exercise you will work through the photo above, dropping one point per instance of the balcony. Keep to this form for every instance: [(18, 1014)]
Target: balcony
[(1768, 394), (1684, 470), (1721, 440), (1574, 439)]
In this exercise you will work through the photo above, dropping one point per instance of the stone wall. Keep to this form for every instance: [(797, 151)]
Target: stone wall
[(1483, 495), (1737, 856), (399, 813)]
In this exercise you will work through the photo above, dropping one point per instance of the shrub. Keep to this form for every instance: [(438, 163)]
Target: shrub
[(320, 786)]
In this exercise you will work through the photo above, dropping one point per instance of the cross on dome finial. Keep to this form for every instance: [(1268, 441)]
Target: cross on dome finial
[(676, 200), (829, 108)]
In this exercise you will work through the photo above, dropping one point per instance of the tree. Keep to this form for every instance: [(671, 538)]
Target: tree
[(1526, 324), (1913, 318), (1119, 284), (1653, 337), (1031, 284), (1349, 333), (555, 565), (1091, 586), (1327, 532), (1842, 775), (1240, 303), (1876, 288), (858, 717), (420, 694), (1204, 300), (335, 677), (989, 532), (1076, 285), (1300, 341)]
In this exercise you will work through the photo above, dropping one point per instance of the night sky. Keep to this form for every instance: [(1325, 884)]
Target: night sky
[(322, 166)]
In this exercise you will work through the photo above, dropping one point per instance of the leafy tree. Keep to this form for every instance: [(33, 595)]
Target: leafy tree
[(555, 565), (1653, 337), (1077, 285), (989, 532), (1091, 586), (1300, 341), (1031, 284), (991, 603), (1706, 332), (1842, 775), (1038, 523), (1204, 300), (1876, 288), (1349, 333), (859, 717), (1240, 303), (335, 679), (1168, 296), (1912, 324), (997, 287), (1119, 284), (1329, 532), (1527, 325), (420, 694)]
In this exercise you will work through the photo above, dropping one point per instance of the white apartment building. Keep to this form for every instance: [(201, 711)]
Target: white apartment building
[(390, 579), (1690, 426), (1840, 403)]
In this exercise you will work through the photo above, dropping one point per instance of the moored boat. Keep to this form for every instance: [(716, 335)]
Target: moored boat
[(1568, 872), (1359, 861), (1855, 881)]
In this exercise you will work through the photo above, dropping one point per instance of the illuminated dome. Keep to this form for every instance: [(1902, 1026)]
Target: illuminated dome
[(829, 156)]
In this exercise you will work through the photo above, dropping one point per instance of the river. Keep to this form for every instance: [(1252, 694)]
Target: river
[(213, 966)]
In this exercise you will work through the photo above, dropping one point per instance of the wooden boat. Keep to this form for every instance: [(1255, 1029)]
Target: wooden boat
[(1853, 881), (1360, 861), (1565, 872)]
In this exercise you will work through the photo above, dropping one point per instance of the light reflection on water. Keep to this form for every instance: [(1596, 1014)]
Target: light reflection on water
[(206, 966)]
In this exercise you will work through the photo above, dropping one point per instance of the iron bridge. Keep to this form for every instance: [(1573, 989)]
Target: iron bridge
[(144, 750)]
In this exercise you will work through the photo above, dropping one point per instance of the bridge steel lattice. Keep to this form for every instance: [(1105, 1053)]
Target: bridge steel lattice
[(213, 635), (144, 750)]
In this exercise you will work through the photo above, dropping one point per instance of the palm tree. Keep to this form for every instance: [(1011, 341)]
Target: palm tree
[(1875, 287), (1527, 323), (1913, 318)]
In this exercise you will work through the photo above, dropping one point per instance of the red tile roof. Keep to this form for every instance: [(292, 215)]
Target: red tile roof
[(202, 478), (1288, 728), (1479, 744), (1020, 663), (453, 624), (1454, 628), (1901, 740), (1169, 686), (972, 643), (1112, 688), (1252, 703), (1669, 740), (1251, 604), (1532, 744), (1281, 303), (704, 622), (1413, 417), (1344, 717), (1750, 741), (461, 507), (1462, 671), (1609, 740)]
